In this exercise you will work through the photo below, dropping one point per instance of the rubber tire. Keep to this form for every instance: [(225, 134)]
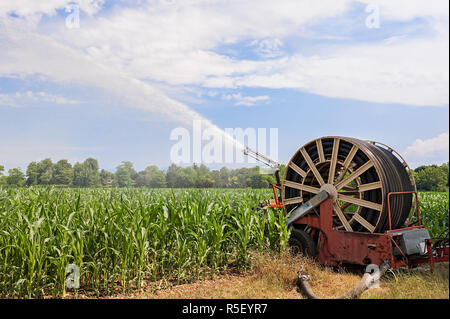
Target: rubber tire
[(302, 243)]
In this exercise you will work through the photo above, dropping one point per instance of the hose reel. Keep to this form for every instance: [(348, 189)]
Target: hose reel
[(358, 174)]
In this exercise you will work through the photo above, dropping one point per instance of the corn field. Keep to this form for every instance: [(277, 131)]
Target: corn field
[(121, 237), (434, 211)]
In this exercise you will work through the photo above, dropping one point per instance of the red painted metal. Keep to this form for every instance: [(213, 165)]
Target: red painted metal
[(277, 203), (429, 244), (341, 247)]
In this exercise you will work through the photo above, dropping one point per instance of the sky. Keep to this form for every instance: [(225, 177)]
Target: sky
[(113, 79)]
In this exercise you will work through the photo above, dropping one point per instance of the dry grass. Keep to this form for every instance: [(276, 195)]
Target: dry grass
[(413, 284), (273, 276)]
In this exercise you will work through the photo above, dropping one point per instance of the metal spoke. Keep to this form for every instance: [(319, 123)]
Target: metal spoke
[(312, 166), (297, 169), (333, 161), (320, 151), (354, 175), (293, 200), (360, 202), (306, 188), (341, 217), (364, 222), (347, 162), (369, 186)]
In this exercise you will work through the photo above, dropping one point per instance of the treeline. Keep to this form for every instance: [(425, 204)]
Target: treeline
[(88, 174), (432, 177)]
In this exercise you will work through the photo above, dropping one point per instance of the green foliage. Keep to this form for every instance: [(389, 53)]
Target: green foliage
[(202, 177), (86, 174), (106, 178), (2, 178), (434, 211), (119, 237), (45, 170), (33, 174), (62, 173), (15, 177), (432, 178), (123, 174), (151, 177)]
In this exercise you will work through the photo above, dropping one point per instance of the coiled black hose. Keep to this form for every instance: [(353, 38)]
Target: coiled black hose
[(386, 169)]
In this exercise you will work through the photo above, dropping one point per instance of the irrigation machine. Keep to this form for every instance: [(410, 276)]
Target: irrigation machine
[(353, 202)]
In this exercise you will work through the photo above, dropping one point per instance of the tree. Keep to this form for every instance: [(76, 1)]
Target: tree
[(151, 177), (86, 174), (432, 178), (256, 179), (204, 178), (224, 178), (62, 173), (78, 179), (187, 177), (45, 171), (122, 176), (15, 177), (32, 174), (172, 175), (106, 177), (91, 167), (179, 177), (445, 168), (2, 178)]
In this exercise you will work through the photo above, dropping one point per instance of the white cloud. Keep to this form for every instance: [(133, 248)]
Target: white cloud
[(245, 100), (409, 9), (28, 53), (413, 72), (26, 8), (434, 150), (268, 48), (167, 42), (170, 44), (30, 98)]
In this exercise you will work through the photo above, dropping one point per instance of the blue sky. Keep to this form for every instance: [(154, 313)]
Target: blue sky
[(116, 86)]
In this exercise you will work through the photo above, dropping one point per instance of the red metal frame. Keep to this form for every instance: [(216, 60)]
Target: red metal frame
[(277, 203), (341, 247)]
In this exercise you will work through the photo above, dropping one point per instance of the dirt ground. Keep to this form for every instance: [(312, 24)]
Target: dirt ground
[(274, 277)]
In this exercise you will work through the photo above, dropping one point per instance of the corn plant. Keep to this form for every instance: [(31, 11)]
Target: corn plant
[(119, 238)]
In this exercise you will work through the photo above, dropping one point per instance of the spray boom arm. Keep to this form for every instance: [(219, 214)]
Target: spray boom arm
[(262, 158)]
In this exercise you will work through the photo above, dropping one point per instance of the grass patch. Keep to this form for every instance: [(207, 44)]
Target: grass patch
[(273, 276)]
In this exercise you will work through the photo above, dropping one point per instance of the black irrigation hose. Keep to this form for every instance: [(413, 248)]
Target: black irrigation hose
[(355, 292), (389, 170)]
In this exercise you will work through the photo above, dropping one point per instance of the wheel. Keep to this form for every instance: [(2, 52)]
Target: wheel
[(358, 175), (301, 243)]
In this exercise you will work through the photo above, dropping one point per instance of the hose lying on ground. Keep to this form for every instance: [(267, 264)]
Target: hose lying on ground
[(363, 284)]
